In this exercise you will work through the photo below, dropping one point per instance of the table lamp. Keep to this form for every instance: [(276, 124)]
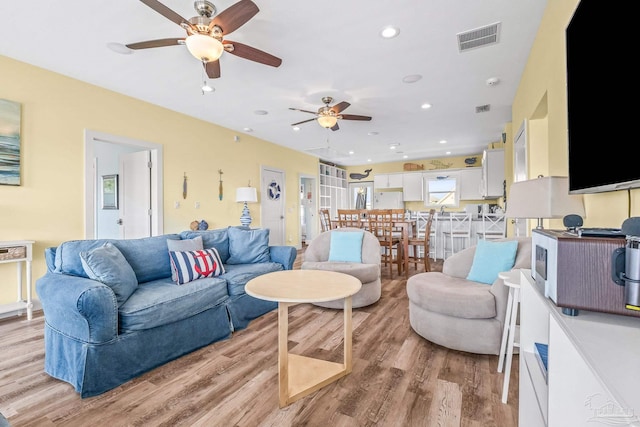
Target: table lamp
[(246, 195), (543, 197)]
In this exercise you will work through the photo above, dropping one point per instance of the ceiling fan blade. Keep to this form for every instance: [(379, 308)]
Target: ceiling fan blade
[(355, 117), (212, 68), (234, 16), (340, 107), (253, 54), (169, 14), (155, 43), (335, 127), (304, 111), (304, 121)]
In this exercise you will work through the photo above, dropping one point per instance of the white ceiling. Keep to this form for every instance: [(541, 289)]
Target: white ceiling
[(331, 48)]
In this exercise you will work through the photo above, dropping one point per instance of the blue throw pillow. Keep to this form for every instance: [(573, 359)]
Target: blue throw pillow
[(492, 258), (346, 246), (247, 246), (106, 264), (193, 265)]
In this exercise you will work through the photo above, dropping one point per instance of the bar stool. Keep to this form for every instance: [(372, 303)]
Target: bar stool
[(510, 330)]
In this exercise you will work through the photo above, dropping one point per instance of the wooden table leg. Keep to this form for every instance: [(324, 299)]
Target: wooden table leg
[(283, 353), (348, 329)]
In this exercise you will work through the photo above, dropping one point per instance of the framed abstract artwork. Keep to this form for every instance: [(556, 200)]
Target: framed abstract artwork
[(9, 142)]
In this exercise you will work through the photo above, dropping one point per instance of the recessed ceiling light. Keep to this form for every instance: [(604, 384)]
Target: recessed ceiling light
[(493, 81), (247, 129), (368, 160), (119, 48), (412, 78), (447, 152), (425, 106), (351, 152), (296, 128), (261, 112), (372, 133), (389, 32), (443, 141), (405, 157)]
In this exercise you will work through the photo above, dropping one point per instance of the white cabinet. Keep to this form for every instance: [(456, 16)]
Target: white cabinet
[(492, 182), (412, 187), (333, 189), (387, 180), (469, 180), (593, 367)]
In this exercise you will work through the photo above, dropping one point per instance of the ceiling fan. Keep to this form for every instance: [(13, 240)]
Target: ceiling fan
[(328, 116), (205, 34)]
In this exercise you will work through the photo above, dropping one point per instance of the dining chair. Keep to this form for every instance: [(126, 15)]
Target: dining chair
[(493, 226), (325, 219), (381, 225), (351, 218), (459, 230), (420, 242)]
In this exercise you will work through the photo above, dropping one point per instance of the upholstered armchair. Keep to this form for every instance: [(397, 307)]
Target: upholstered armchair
[(450, 309), (328, 251)]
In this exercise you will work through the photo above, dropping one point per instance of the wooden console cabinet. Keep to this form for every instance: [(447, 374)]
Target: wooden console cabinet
[(19, 252)]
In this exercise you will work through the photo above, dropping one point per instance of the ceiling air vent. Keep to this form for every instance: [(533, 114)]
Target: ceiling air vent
[(483, 108), (479, 37)]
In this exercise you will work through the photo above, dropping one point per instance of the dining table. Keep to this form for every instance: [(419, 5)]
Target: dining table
[(407, 229)]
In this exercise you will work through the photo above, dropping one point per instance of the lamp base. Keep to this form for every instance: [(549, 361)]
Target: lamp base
[(245, 218)]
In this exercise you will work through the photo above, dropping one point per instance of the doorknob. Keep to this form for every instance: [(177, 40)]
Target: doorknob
[(281, 216), (119, 221)]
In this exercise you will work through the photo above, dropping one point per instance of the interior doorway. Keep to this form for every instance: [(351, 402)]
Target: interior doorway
[(272, 197), (309, 220), (100, 149), (361, 195), (520, 170)]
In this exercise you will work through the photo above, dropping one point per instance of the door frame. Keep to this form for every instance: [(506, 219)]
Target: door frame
[(314, 207), (91, 179), (520, 170)]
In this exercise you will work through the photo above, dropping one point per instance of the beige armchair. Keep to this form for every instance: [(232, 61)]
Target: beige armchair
[(449, 310), (316, 257)]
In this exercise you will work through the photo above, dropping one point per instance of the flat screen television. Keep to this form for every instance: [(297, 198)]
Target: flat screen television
[(601, 90)]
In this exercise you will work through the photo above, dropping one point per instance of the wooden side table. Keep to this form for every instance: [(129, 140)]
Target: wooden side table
[(18, 251), (510, 330), (298, 375)]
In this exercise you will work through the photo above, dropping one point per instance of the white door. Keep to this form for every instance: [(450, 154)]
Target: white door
[(135, 191), (272, 197), (520, 170), (309, 219)]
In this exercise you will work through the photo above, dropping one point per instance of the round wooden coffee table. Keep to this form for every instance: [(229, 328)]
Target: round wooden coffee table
[(298, 375)]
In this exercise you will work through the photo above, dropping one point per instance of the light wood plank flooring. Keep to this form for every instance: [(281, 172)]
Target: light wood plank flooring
[(398, 378)]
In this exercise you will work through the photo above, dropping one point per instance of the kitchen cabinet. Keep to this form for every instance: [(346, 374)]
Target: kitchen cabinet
[(333, 189), (412, 187), (592, 367), (469, 179), (492, 180), (387, 180)]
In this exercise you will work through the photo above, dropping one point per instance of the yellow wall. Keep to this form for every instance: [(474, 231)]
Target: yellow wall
[(541, 99), (49, 205)]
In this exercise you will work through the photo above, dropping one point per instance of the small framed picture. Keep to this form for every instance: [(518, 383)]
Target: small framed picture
[(109, 191)]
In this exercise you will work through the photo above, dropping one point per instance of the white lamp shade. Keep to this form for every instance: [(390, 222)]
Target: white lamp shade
[(544, 197), (204, 48), (246, 194), (327, 121)]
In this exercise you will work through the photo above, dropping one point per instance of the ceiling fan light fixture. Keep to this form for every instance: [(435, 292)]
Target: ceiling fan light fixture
[(204, 48), (327, 121)]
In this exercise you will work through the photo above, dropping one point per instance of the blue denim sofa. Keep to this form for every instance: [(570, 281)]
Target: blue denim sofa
[(96, 343)]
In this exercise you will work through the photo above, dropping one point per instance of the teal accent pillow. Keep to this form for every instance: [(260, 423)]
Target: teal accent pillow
[(492, 258), (248, 246), (107, 265), (346, 246)]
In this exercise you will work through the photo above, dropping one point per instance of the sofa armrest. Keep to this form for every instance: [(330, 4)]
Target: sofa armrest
[(80, 308), (285, 255), (459, 264)]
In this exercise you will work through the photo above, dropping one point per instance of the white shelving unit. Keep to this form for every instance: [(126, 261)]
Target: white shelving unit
[(18, 252), (593, 369), (333, 188)]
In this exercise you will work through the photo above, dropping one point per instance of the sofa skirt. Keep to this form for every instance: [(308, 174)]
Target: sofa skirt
[(93, 369)]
